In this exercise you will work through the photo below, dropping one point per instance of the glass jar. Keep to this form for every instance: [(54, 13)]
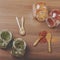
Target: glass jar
[(5, 38), (18, 48), (54, 19), (40, 11)]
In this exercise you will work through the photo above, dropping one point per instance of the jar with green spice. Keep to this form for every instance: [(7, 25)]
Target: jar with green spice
[(5, 38), (18, 48)]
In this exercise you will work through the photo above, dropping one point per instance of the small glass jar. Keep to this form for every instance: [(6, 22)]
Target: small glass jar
[(5, 38), (18, 48), (54, 19), (40, 11)]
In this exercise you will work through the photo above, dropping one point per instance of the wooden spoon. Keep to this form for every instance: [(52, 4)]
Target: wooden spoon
[(21, 26), (22, 30), (37, 41), (49, 37)]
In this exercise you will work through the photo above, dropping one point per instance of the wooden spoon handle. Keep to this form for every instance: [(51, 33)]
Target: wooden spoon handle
[(36, 42), (22, 22), (49, 38), (49, 47), (18, 22)]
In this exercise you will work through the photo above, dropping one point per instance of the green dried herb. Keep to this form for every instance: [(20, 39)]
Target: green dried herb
[(5, 35), (1, 42), (19, 44)]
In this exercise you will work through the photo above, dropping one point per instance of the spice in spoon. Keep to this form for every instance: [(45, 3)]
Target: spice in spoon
[(49, 37), (41, 38), (44, 37)]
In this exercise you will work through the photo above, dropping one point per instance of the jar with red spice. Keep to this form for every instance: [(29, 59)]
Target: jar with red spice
[(54, 19)]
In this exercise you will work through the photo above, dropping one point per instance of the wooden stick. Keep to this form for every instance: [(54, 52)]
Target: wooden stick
[(48, 37), (37, 41)]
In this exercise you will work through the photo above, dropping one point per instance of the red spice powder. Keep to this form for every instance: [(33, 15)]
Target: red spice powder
[(51, 22), (57, 12), (43, 33), (43, 39)]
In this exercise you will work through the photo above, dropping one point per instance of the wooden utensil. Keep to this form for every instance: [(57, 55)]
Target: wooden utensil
[(49, 37), (22, 30), (37, 41), (21, 26)]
